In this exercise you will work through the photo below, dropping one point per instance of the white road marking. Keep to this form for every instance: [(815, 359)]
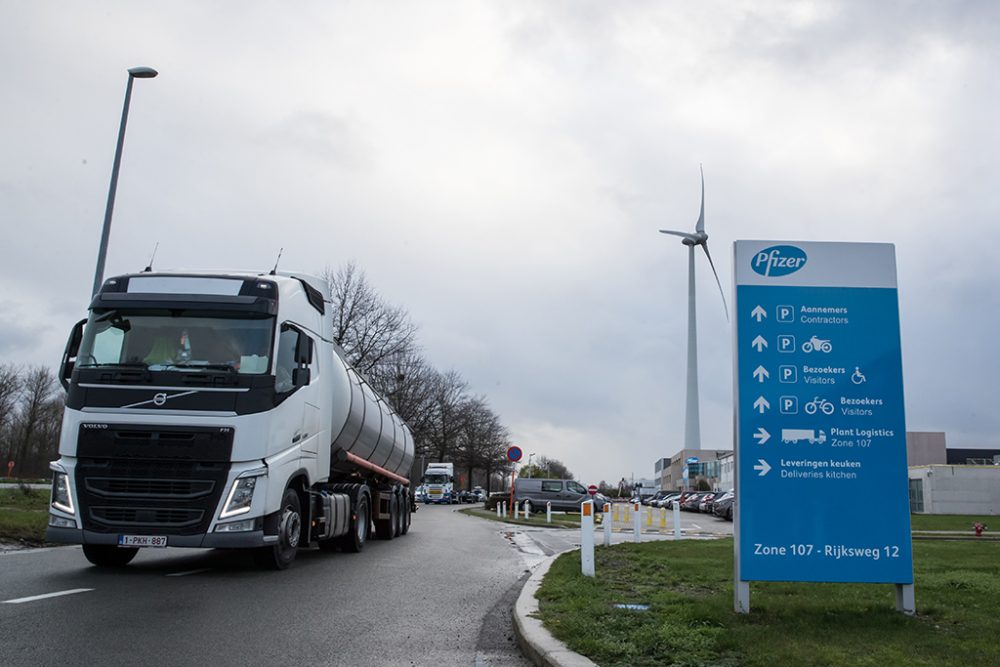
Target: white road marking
[(187, 572), (47, 595), (19, 552), (696, 526)]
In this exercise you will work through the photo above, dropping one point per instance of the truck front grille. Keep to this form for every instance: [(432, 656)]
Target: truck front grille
[(133, 479)]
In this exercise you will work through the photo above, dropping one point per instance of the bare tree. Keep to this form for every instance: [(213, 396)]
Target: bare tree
[(36, 424), (10, 392), (367, 328)]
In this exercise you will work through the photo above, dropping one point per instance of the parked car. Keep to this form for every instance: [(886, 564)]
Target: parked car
[(479, 493), (690, 504), (723, 507), (705, 504)]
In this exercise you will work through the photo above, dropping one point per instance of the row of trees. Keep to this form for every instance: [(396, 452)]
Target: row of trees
[(449, 423), (31, 406)]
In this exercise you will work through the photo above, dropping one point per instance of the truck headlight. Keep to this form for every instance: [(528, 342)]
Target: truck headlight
[(241, 495), (62, 498)]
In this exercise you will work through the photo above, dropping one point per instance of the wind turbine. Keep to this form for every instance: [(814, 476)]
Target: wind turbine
[(692, 426)]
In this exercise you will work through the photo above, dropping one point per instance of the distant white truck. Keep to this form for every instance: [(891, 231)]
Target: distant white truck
[(790, 435), (439, 483)]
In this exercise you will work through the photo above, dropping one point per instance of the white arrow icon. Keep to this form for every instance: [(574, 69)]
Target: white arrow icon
[(761, 404), (762, 467), (759, 343), (761, 436), (758, 313), (761, 374)]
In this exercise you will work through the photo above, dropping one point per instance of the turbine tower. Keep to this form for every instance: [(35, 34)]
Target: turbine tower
[(692, 424)]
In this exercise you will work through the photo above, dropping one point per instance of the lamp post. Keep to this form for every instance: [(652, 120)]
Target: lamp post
[(530, 456), (133, 73)]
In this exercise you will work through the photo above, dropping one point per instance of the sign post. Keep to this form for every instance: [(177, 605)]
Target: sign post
[(514, 455), (819, 415)]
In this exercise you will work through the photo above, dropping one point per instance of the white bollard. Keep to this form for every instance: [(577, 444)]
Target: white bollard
[(677, 521), (637, 521), (515, 510), (607, 524), (587, 538), (498, 510), (504, 503), (548, 512), (527, 510)]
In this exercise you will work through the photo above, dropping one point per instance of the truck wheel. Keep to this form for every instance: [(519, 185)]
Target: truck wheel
[(354, 540), (406, 514), (107, 555), (385, 529), (400, 511), (279, 556)]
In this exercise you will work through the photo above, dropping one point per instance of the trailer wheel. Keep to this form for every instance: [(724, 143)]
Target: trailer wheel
[(107, 555), (407, 510), (354, 540), (279, 556), (397, 524)]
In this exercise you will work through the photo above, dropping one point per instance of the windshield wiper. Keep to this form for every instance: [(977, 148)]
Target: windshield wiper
[(210, 367), (123, 364)]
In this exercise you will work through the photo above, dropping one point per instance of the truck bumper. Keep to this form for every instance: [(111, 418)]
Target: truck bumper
[(247, 540)]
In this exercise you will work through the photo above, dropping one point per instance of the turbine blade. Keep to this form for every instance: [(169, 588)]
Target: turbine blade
[(700, 225), (686, 235), (718, 282)]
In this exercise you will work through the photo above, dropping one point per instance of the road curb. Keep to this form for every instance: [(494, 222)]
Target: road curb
[(536, 643)]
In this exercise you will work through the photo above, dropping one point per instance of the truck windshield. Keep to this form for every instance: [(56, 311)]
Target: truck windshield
[(177, 340), (435, 479)]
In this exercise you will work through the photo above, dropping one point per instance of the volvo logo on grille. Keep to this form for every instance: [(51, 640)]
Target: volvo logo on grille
[(159, 399)]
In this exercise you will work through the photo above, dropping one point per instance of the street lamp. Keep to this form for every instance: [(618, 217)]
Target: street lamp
[(134, 73), (529, 464)]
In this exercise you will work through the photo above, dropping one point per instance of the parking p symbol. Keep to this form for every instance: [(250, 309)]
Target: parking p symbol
[(786, 343)]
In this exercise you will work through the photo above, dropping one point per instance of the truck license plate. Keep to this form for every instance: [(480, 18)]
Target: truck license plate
[(156, 541)]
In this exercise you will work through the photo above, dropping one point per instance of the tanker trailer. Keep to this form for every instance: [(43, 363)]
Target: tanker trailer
[(215, 410)]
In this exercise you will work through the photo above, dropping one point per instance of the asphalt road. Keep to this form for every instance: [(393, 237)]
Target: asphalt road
[(441, 595)]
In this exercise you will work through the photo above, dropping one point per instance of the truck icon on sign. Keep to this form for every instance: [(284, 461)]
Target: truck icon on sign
[(812, 436)]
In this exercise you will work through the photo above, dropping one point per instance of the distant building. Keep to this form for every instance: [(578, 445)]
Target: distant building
[(924, 448), (707, 466), (955, 489)]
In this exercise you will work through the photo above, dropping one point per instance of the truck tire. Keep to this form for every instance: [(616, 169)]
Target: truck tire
[(385, 529), (397, 525), (108, 555), (280, 555), (407, 513), (354, 540)]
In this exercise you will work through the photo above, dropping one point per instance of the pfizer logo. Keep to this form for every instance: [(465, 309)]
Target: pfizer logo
[(778, 260)]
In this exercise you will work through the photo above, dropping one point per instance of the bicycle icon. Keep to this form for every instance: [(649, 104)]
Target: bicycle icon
[(820, 404), (857, 377)]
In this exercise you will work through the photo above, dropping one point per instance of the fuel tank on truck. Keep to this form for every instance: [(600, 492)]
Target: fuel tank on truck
[(365, 423)]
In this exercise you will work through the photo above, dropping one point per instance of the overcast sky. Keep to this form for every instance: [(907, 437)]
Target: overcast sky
[(500, 169)]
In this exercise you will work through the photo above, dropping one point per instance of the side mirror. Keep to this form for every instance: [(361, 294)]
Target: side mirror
[(301, 377), (303, 350), (69, 354)]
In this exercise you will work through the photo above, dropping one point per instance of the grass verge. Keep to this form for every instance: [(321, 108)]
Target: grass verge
[(23, 516), (688, 587), (961, 522)]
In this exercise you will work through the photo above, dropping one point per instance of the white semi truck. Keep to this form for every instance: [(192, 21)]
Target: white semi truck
[(215, 410), (439, 483)]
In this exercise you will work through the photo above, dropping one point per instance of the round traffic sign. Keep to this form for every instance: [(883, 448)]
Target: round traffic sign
[(514, 453), (592, 489)]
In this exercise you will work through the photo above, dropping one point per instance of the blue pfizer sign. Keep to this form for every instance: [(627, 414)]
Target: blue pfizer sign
[(779, 260), (820, 420)]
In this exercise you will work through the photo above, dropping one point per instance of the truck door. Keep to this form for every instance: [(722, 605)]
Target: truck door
[(296, 384)]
